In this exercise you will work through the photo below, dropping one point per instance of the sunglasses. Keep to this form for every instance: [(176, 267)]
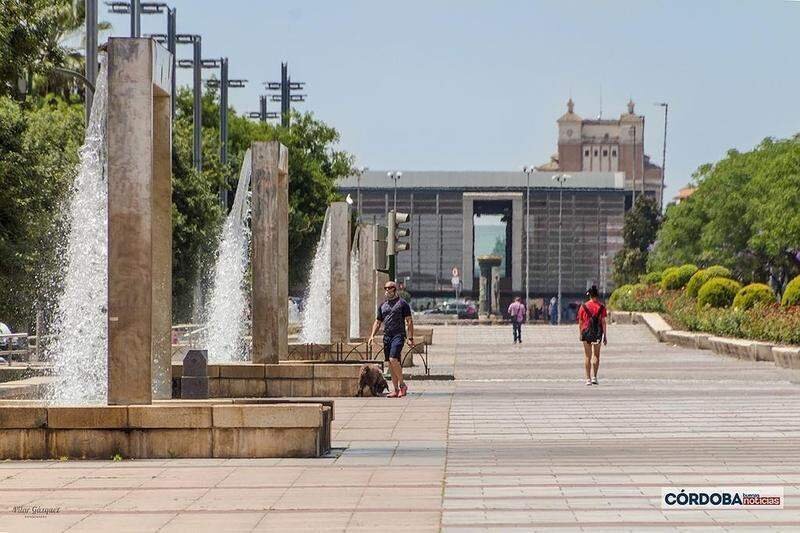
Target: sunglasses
[(390, 288)]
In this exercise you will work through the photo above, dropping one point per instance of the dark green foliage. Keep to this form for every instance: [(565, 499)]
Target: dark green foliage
[(718, 292), (702, 276), (639, 232), (651, 278), (752, 295)]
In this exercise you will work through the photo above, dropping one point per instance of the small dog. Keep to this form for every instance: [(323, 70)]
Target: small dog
[(371, 381)]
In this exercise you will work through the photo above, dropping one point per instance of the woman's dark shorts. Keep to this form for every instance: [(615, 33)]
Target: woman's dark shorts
[(393, 346)]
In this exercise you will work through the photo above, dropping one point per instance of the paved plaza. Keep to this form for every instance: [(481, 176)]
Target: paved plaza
[(516, 441)]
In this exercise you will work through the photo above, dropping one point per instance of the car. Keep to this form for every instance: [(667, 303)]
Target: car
[(458, 309)]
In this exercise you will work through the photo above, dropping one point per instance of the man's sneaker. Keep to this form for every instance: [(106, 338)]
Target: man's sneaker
[(594, 381), (589, 382), (403, 390), (393, 395)]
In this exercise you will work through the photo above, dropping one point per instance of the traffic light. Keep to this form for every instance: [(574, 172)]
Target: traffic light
[(393, 244), (381, 237)]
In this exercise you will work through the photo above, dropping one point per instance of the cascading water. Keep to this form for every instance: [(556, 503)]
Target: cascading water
[(315, 324), (354, 303), (227, 309), (79, 347)]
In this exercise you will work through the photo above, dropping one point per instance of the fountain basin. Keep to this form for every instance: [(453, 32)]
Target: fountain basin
[(168, 429), (291, 380)]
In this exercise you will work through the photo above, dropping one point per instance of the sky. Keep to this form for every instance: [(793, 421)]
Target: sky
[(478, 85)]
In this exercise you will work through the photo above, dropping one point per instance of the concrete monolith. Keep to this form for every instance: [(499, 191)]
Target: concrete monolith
[(366, 279), (270, 230), (340, 271), (139, 141)]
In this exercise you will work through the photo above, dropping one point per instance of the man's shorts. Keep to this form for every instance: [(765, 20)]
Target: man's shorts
[(393, 346)]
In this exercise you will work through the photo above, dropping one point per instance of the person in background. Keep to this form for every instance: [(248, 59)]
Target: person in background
[(553, 311), (593, 330), (517, 312)]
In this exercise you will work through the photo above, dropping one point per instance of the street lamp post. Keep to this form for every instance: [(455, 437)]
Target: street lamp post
[(197, 82), (395, 176), (91, 52), (633, 171), (560, 178), (665, 105), (528, 170)]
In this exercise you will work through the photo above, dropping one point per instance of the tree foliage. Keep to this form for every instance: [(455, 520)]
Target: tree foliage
[(641, 225), (744, 216)]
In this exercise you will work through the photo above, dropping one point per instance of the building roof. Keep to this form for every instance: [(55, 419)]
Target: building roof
[(482, 180)]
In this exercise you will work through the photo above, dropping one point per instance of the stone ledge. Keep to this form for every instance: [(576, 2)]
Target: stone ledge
[(657, 325), (787, 356), (169, 416), (290, 430), (241, 370)]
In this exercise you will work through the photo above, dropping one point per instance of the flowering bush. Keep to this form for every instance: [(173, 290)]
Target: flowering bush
[(770, 323)]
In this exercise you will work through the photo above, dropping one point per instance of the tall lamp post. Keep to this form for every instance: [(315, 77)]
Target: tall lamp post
[(665, 105), (528, 170), (633, 134), (360, 171), (394, 176), (560, 178)]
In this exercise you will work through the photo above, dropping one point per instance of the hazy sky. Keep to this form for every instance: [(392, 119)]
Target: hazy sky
[(478, 85)]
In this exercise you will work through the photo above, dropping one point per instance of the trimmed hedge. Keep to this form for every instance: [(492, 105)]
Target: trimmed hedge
[(791, 296), (701, 276), (677, 278), (651, 278), (752, 295), (718, 292)]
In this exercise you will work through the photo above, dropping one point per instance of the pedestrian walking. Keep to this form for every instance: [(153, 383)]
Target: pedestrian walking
[(517, 312), (395, 315), (553, 311), (593, 331)]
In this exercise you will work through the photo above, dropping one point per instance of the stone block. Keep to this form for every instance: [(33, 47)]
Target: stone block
[(289, 415), (177, 370), (241, 371), (330, 404), (335, 387), (23, 443), (702, 341), (246, 388), (761, 351), (214, 371), (337, 371), (169, 416), (88, 443), (106, 417), (738, 348), (215, 387), (289, 371), (655, 324), (22, 417), (170, 443), (687, 339), (787, 356), (195, 364), (194, 388), (267, 442), (290, 388)]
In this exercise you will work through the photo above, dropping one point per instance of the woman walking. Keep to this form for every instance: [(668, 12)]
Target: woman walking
[(592, 325)]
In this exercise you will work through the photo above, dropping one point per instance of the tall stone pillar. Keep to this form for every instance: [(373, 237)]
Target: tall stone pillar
[(139, 141), (270, 230), (340, 271), (380, 295), (485, 264), (366, 279)]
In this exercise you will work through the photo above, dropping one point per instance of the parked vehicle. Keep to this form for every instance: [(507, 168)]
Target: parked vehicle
[(465, 310)]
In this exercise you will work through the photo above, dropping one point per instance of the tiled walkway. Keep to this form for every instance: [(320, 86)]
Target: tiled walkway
[(517, 441)]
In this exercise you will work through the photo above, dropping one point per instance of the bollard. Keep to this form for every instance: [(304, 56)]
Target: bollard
[(194, 379)]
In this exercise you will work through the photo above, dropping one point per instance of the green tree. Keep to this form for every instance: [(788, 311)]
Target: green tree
[(742, 216), (638, 233)]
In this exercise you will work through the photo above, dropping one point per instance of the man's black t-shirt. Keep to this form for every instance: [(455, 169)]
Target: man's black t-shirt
[(393, 314)]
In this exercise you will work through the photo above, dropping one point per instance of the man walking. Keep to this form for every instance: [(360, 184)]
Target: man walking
[(395, 315), (517, 312)]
